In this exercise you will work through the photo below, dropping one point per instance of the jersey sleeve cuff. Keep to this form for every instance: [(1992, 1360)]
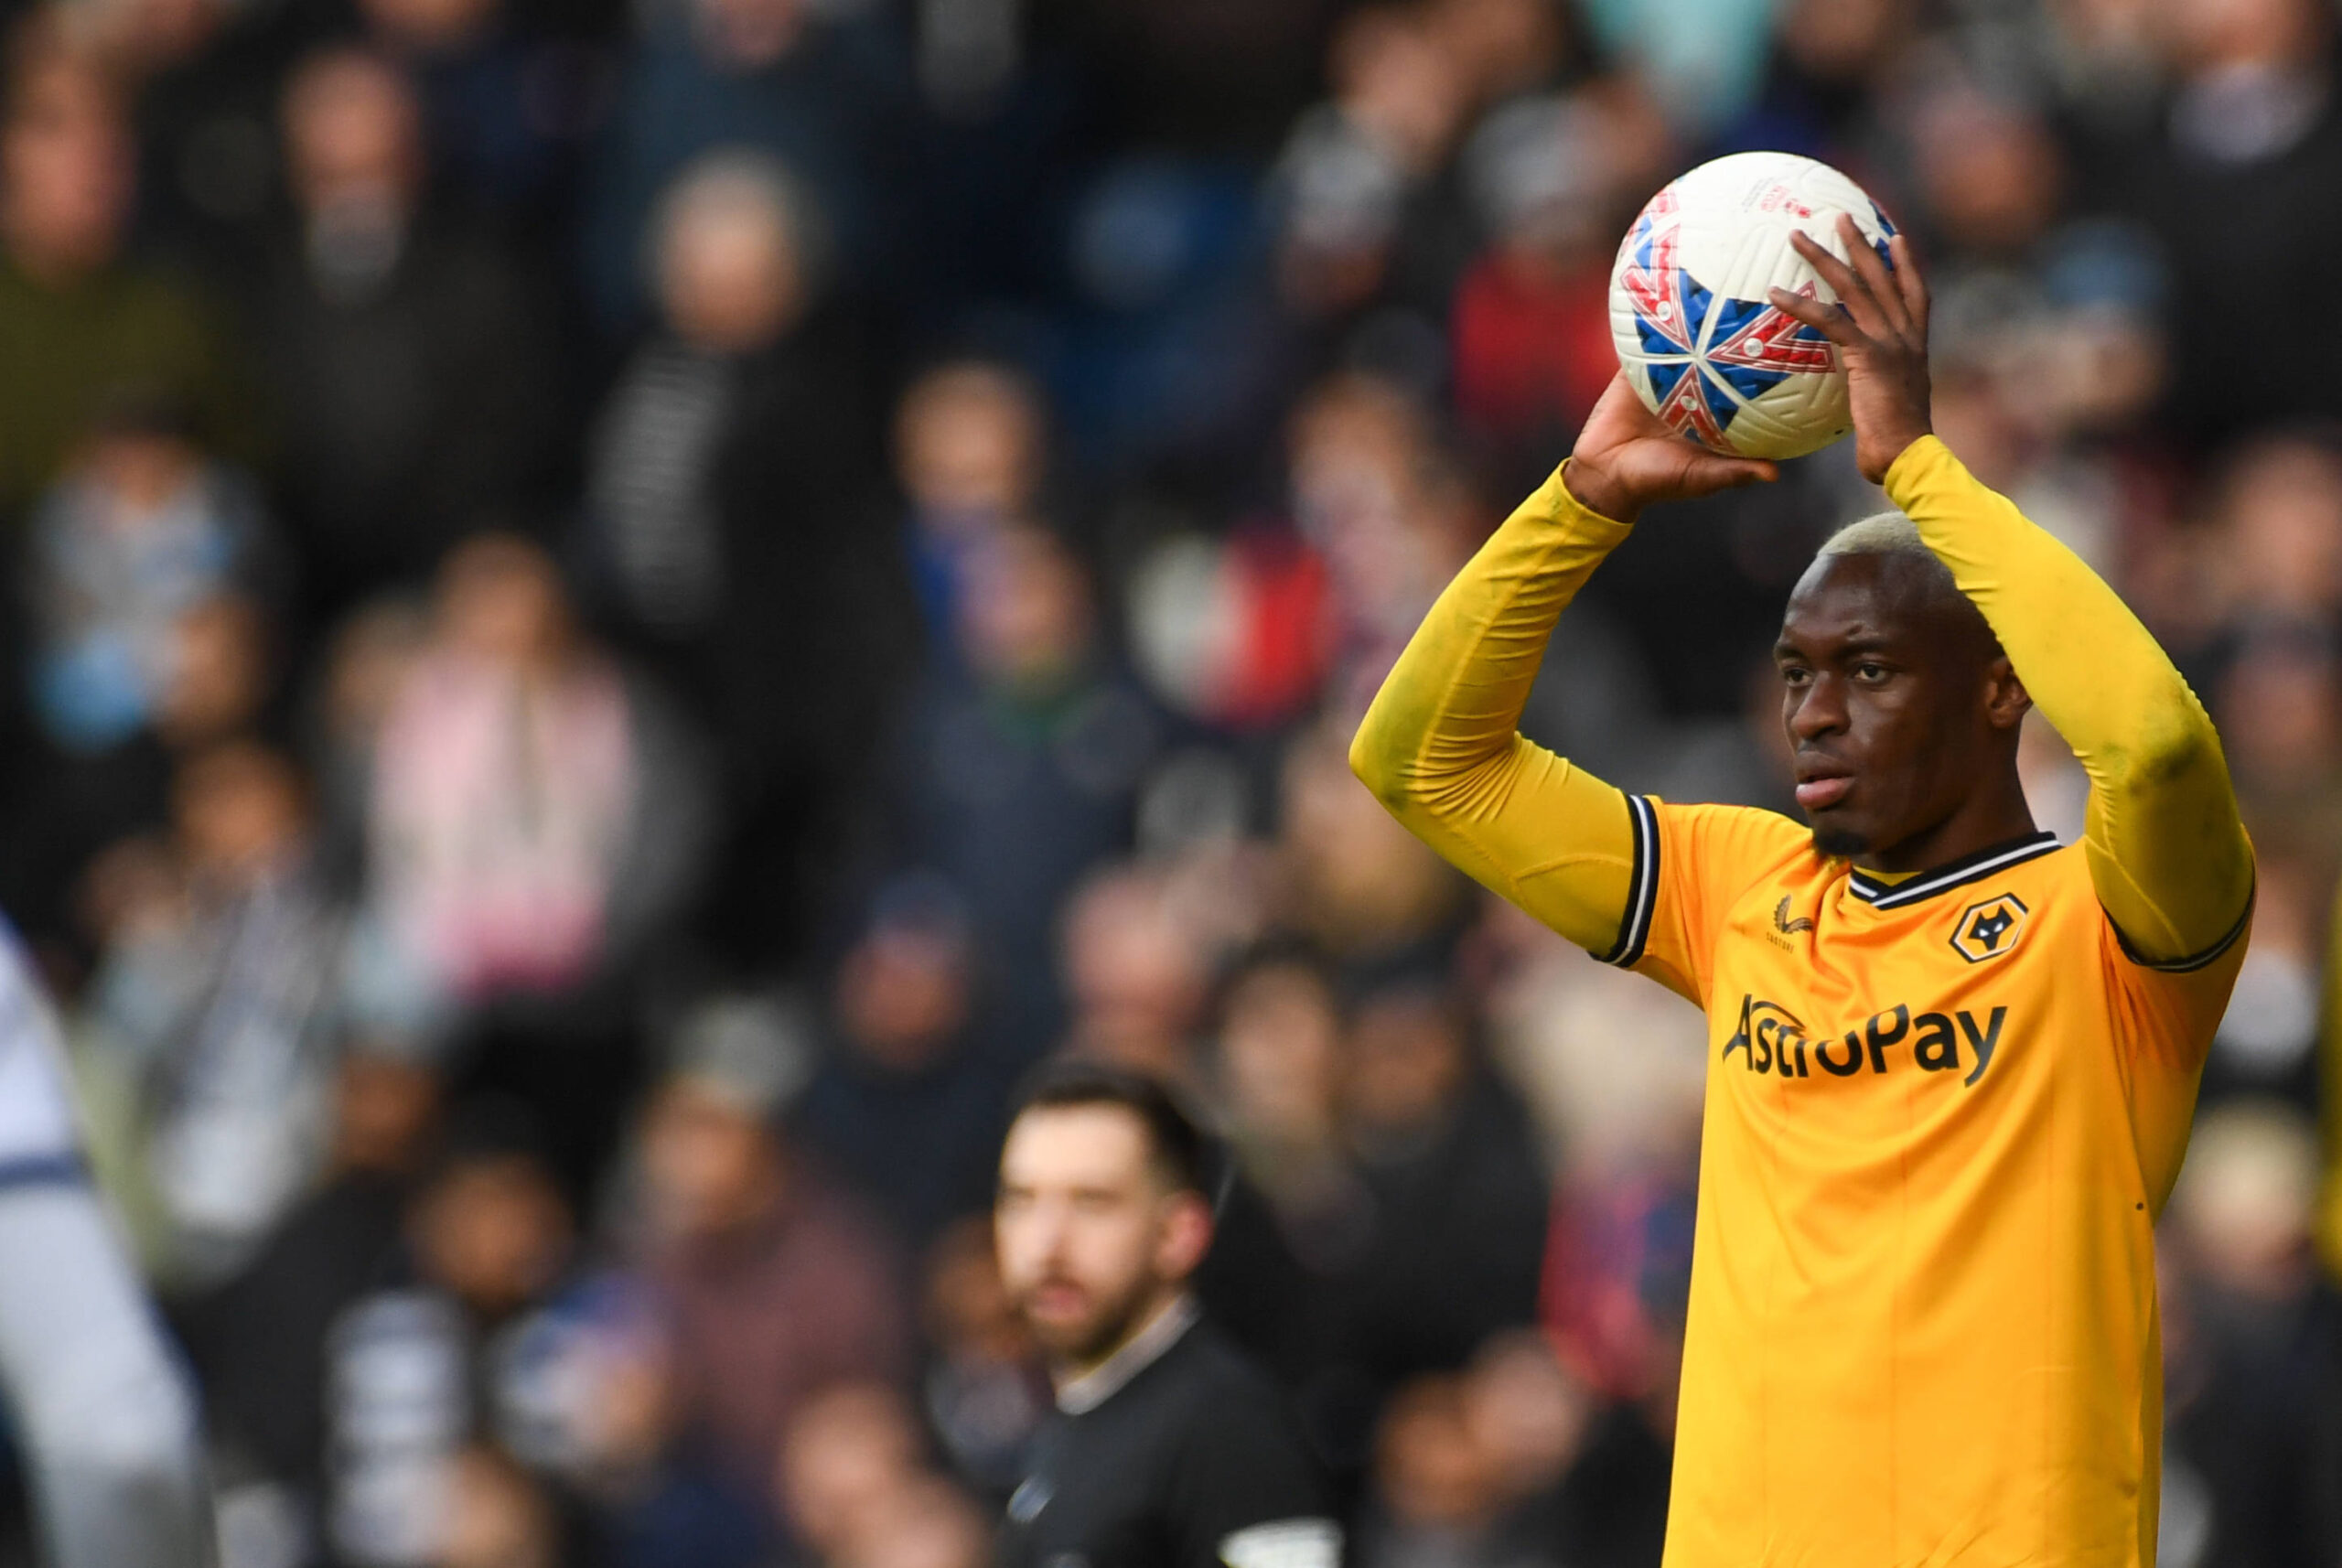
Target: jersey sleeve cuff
[(1914, 466), (2193, 960), (1553, 499), (1642, 884)]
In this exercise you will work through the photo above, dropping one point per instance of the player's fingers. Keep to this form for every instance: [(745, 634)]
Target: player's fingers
[(1847, 283), (1913, 287), (1875, 274), (1827, 319), (1713, 473)]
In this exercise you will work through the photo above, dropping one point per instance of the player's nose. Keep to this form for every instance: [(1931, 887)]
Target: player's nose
[(1818, 710)]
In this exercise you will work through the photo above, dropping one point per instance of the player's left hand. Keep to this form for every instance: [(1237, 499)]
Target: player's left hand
[(1880, 326)]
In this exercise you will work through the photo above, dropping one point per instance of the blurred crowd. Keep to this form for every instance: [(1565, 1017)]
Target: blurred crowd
[(621, 612)]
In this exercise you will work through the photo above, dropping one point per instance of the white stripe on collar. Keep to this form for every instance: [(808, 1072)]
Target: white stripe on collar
[(1140, 1351), (1959, 874)]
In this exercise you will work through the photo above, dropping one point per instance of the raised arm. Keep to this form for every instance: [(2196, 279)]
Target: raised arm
[(2167, 851), (1440, 746)]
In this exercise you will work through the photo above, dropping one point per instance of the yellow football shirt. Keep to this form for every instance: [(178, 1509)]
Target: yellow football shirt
[(1942, 1110), (1941, 1117)]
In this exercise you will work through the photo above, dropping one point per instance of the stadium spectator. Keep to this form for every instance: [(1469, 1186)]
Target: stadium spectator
[(533, 818), (138, 528), (420, 1380), (223, 997), (259, 1340), (906, 1103), (2255, 1324), (768, 75), (971, 456), (731, 521), (1137, 969), (770, 1283), (1019, 762), (984, 1391), (83, 322), (409, 359)]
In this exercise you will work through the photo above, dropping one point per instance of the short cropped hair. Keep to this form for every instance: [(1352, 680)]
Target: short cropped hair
[(1176, 1144), (1881, 533)]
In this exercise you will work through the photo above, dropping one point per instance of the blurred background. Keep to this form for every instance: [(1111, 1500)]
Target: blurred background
[(618, 614)]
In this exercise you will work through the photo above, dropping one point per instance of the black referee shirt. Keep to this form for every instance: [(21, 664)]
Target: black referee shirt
[(1187, 1459)]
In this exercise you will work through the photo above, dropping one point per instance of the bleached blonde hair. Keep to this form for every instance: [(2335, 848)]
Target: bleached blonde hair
[(1881, 533)]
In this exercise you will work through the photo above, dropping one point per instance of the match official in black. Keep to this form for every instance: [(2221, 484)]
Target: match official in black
[(1169, 1449)]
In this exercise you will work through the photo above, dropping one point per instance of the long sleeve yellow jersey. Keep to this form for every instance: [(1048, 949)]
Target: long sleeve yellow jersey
[(1943, 1110)]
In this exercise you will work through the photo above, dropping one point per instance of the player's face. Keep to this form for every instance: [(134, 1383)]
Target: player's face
[(1896, 703), (1091, 1236)]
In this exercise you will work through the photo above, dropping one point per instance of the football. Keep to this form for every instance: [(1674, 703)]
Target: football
[(1691, 316)]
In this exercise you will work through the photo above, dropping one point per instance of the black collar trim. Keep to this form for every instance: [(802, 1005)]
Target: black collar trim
[(1959, 873)]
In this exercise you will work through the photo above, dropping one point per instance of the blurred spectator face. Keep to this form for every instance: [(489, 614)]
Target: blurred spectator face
[(902, 994), (1430, 1467), (849, 1452), (2278, 709), (430, 26), (730, 269), (1093, 1239), (1363, 881), (2205, 36), (497, 1516), (1135, 970), (239, 811), (352, 134), (493, 1230), (2282, 510), (218, 672), (1526, 1412), (383, 1104), (747, 35), (145, 35), (1497, 46), (1280, 1051), (969, 1314), (1989, 172), (2247, 1198), (1397, 83), (968, 442), (372, 655), (131, 889), (66, 159), (1025, 623), (1407, 1060), (1365, 492), (139, 471), (500, 601), (710, 1166), (1842, 40)]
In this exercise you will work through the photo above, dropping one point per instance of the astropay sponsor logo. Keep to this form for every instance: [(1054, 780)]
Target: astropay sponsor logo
[(1771, 1038)]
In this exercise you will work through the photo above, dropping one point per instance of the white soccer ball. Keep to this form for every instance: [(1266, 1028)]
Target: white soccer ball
[(1701, 340)]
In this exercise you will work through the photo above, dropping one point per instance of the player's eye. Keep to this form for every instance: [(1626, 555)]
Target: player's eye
[(1795, 675), (1870, 673)]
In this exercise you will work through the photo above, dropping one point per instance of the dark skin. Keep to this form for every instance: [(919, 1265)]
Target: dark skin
[(1901, 709)]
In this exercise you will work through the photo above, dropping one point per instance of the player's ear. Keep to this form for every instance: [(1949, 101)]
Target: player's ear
[(2005, 698)]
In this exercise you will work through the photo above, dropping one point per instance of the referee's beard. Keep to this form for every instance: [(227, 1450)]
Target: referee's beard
[(1104, 1326)]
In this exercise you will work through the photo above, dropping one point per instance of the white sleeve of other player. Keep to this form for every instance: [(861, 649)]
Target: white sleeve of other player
[(36, 1124)]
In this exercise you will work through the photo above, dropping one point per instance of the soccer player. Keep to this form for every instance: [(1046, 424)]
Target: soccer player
[(1953, 1062), (100, 1406), (1167, 1448)]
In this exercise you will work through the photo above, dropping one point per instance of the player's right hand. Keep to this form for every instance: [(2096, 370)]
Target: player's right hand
[(1626, 459)]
